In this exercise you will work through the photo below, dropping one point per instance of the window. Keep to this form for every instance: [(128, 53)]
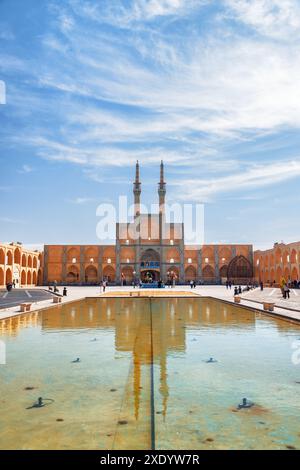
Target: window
[(108, 260), (257, 262), (171, 242), (223, 260), (127, 242), (190, 260), (91, 260), (74, 260), (128, 260), (206, 260), (172, 260)]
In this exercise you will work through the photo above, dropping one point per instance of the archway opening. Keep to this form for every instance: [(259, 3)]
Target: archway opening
[(208, 274), (91, 275), (1, 277), (127, 275), (8, 276), (72, 275), (2, 256), (224, 272), (240, 270), (24, 263), (190, 273), (109, 274), (17, 256), (9, 258), (150, 275)]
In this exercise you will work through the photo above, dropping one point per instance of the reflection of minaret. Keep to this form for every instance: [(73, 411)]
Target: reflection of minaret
[(137, 191), (162, 196), (164, 389), (136, 383)]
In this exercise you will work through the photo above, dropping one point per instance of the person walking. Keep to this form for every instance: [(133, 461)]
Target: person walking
[(286, 292), (104, 285), (261, 285)]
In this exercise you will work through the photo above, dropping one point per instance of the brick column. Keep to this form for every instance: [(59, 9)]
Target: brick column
[(181, 271), (199, 264), (46, 261), (82, 278), (64, 264), (118, 271), (217, 269), (100, 260)]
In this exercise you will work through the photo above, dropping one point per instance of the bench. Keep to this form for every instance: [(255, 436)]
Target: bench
[(25, 307), (134, 294), (237, 299), (56, 300), (269, 306)]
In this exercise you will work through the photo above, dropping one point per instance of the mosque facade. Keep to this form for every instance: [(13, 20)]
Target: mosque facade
[(148, 249)]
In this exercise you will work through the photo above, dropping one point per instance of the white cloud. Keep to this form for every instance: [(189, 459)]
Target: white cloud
[(256, 176), (136, 11), (274, 18), (80, 200), (26, 169)]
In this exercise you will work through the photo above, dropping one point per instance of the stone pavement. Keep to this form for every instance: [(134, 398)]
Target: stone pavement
[(249, 299)]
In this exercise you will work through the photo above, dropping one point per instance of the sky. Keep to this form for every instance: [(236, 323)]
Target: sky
[(209, 86)]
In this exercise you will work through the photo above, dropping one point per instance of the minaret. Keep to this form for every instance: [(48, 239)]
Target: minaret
[(161, 188), (162, 196), (137, 191)]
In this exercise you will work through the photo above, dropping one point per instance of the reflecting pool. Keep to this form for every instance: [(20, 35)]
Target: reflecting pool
[(149, 373)]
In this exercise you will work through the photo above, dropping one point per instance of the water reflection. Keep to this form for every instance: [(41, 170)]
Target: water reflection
[(172, 319)]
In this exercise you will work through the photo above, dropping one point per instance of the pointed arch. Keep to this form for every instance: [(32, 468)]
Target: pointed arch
[(208, 274), (91, 275), (1, 277), (127, 272), (9, 258), (190, 273), (224, 271), (2, 256), (109, 273), (72, 274), (23, 277), (8, 276), (240, 269), (17, 256)]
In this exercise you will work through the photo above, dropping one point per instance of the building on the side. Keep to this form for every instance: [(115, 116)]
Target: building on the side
[(20, 265), (281, 261), (158, 254)]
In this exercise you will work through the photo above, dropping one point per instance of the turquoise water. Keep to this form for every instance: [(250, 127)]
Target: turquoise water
[(143, 380)]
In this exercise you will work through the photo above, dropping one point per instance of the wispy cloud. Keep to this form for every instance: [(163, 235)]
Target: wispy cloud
[(80, 200), (26, 169), (279, 19), (134, 81), (256, 176), (10, 220)]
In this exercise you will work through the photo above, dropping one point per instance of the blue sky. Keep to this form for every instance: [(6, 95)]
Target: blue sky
[(211, 87)]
